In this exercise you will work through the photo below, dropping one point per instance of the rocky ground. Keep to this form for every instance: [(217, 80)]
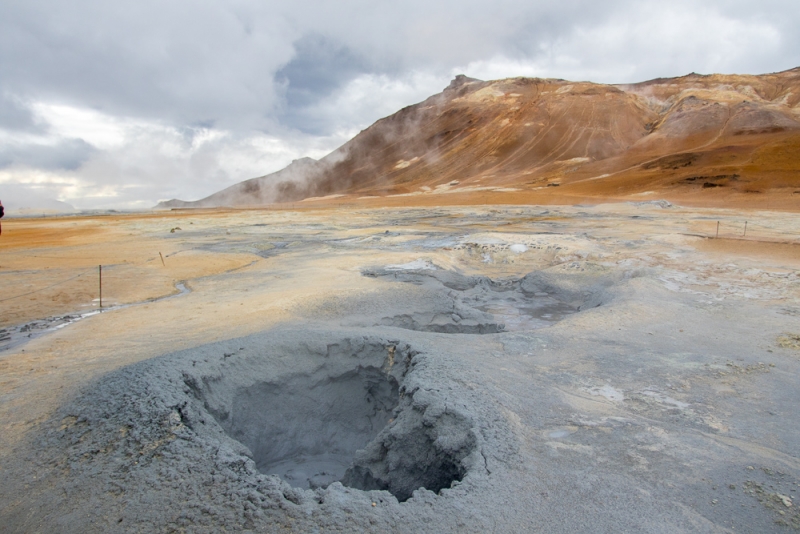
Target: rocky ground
[(603, 368)]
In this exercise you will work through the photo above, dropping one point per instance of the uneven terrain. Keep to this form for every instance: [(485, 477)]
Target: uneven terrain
[(591, 368)]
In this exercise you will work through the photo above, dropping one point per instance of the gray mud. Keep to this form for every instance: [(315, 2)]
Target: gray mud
[(656, 400), (269, 421), (306, 429), (480, 305)]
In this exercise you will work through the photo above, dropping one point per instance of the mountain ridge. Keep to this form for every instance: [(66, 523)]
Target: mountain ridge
[(718, 134)]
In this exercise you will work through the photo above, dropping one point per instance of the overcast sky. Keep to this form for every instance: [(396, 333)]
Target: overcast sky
[(109, 104)]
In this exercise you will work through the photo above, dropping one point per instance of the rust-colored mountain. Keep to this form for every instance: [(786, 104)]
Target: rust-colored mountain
[(713, 140)]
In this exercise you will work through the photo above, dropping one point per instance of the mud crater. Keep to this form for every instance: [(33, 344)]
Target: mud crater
[(480, 305), (354, 420), (308, 430)]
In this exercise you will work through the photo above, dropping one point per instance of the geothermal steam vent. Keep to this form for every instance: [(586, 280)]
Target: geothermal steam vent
[(352, 418)]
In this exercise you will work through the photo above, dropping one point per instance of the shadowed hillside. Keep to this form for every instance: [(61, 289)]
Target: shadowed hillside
[(701, 139)]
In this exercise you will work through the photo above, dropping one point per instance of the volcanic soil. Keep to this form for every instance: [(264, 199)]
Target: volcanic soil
[(588, 368)]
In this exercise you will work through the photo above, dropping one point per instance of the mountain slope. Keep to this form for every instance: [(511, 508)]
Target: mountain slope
[(255, 191), (730, 136)]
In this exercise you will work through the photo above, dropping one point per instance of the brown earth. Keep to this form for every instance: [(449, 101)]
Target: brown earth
[(716, 140), (56, 260)]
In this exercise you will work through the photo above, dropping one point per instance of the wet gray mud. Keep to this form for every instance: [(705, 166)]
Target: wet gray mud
[(656, 400), (480, 305), (14, 336)]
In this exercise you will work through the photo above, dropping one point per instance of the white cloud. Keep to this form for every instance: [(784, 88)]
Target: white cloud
[(648, 42), (99, 130), (667, 40), (138, 162), (370, 97)]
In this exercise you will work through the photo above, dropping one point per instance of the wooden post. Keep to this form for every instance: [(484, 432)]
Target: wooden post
[(717, 230), (745, 229), (100, 272), (162, 260)]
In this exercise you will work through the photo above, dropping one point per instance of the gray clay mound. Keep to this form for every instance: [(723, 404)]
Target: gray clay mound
[(271, 424)]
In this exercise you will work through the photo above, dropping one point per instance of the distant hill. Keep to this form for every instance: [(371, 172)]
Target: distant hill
[(731, 136), (23, 200)]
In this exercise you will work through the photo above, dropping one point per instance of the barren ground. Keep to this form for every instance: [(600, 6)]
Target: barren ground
[(600, 368)]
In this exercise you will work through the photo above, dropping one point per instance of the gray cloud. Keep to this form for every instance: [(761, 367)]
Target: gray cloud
[(319, 68), (225, 63), (66, 155), (15, 116), (183, 61)]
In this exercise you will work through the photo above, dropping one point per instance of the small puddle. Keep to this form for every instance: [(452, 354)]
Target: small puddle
[(529, 313), (14, 336)]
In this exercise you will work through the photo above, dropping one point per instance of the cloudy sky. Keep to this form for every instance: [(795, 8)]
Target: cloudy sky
[(110, 104)]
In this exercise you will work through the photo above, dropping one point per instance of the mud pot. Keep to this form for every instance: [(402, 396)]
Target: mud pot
[(480, 305), (346, 421)]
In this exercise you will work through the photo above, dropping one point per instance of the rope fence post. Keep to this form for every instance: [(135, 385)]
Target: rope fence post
[(745, 229), (716, 236), (100, 273)]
